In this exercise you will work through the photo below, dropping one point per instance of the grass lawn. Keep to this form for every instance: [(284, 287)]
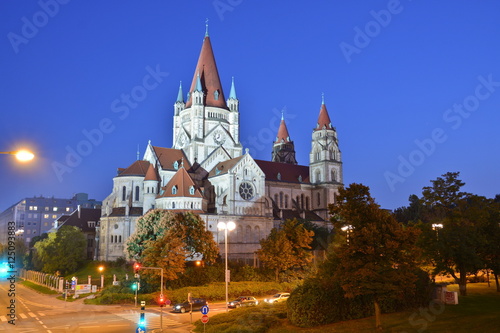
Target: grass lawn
[(477, 312), (39, 288)]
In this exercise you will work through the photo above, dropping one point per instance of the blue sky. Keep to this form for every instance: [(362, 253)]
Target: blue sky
[(413, 87)]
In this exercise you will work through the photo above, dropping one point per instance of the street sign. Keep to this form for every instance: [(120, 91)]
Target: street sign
[(143, 303), (204, 309), (204, 319), (168, 302)]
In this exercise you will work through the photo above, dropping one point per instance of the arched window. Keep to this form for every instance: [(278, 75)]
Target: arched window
[(281, 199), (276, 199), (240, 234), (256, 234), (173, 205), (111, 240), (137, 193), (174, 189), (191, 190), (119, 239), (319, 199), (124, 193), (307, 203), (318, 176), (297, 201), (248, 233), (334, 176), (332, 154), (286, 200), (302, 201)]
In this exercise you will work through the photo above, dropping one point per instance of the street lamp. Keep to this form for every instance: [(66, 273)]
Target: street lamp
[(101, 268), (226, 226), (21, 155)]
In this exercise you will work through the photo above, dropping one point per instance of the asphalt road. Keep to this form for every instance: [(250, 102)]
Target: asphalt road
[(34, 312)]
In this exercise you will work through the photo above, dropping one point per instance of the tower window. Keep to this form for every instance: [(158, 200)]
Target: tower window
[(216, 95), (279, 176), (174, 189), (191, 190), (137, 193), (124, 193), (281, 199)]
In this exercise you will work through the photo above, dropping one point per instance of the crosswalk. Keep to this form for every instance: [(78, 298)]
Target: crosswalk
[(153, 320), (23, 316)]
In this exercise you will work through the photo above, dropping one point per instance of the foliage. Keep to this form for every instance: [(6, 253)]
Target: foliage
[(490, 242), (38, 288), (286, 248), (377, 256), (63, 250), (164, 240), (452, 238)]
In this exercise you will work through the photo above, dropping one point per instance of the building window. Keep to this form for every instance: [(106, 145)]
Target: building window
[(68, 209), (119, 239), (46, 216), (46, 209), (137, 193), (173, 205), (319, 199), (318, 176), (54, 216), (124, 193), (191, 190), (307, 203), (256, 232), (54, 209), (281, 199), (302, 201), (174, 189), (286, 201), (334, 176), (276, 199)]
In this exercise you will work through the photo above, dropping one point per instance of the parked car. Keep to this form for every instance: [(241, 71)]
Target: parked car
[(243, 301), (197, 304), (280, 297)]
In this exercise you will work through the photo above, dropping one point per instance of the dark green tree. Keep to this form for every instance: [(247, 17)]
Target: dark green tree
[(375, 253), (63, 250), (286, 248)]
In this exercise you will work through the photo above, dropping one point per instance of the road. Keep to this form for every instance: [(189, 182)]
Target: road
[(35, 312)]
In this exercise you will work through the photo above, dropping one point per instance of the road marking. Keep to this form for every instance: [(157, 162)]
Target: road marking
[(22, 315), (3, 318), (32, 314)]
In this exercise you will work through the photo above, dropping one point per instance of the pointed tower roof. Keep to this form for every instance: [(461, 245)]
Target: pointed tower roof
[(206, 68), (180, 99), (324, 121), (232, 92), (283, 135), (151, 174), (183, 184)]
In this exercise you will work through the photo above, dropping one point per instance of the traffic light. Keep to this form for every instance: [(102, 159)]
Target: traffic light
[(134, 286), (142, 321), (161, 300), (137, 266)]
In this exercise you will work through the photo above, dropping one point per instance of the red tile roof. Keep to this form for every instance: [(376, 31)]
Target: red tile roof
[(287, 172), (283, 135), (168, 156), (224, 166), (209, 77), (138, 168), (182, 180), (151, 174), (324, 121)]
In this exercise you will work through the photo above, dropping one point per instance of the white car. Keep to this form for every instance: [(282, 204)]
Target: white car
[(280, 297)]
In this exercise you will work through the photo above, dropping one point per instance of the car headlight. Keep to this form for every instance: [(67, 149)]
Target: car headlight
[(177, 307)]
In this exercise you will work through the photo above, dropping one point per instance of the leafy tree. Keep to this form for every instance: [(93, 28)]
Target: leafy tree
[(286, 248), (63, 250), (376, 255), (165, 240), (451, 239), (490, 241), (411, 214)]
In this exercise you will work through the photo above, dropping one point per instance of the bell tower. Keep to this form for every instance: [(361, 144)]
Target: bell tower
[(283, 147)]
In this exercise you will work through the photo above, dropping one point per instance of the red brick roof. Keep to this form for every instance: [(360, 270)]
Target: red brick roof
[(324, 121), (283, 135), (287, 172), (209, 77)]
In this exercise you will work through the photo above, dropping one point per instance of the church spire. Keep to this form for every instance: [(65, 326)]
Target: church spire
[(283, 147), (209, 81), (232, 92), (180, 99), (283, 135), (324, 121)]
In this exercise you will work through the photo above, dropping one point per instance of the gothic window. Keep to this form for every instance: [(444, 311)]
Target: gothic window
[(307, 203), (137, 193), (173, 205), (176, 165), (332, 154), (318, 176), (111, 240), (216, 95), (276, 199), (281, 199), (119, 239), (174, 189), (124, 193), (191, 191), (248, 233), (286, 201), (319, 199), (334, 176), (246, 191), (298, 202), (302, 201)]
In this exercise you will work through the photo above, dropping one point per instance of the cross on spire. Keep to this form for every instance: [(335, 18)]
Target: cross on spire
[(206, 27)]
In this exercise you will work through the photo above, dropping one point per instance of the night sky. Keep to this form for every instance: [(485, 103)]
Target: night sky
[(413, 87)]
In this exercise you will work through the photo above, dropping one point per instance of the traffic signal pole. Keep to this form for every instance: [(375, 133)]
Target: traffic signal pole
[(161, 291)]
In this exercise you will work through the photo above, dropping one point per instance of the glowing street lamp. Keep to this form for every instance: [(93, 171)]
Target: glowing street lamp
[(101, 268), (226, 226), (21, 155)]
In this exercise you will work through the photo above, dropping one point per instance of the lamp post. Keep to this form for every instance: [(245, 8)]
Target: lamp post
[(21, 155), (226, 226), (101, 268)]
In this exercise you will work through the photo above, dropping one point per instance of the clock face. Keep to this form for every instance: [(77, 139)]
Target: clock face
[(246, 191), (219, 137)]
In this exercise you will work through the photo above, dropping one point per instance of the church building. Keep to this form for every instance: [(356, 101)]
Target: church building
[(207, 171)]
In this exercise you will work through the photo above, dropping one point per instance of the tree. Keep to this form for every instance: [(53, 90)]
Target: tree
[(165, 240), (286, 248), (451, 238), (411, 214), (375, 254), (490, 238), (63, 250)]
